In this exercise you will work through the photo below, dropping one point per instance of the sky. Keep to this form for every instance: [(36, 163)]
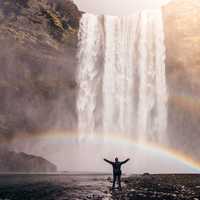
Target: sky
[(118, 7)]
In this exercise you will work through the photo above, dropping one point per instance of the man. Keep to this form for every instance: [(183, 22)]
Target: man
[(116, 170)]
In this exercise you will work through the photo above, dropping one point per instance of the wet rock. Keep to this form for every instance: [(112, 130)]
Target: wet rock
[(146, 174), (109, 179)]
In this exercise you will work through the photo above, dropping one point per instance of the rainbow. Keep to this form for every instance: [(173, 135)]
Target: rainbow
[(119, 139)]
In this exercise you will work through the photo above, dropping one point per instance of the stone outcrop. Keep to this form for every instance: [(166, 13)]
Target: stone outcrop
[(20, 162)]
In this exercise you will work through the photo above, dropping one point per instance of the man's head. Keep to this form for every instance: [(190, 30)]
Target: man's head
[(116, 159)]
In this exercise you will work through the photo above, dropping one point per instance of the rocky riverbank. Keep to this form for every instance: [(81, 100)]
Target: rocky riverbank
[(160, 187), (98, 187)]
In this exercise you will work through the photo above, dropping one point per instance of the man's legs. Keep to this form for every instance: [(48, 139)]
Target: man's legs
[(114, 180), (119, 181)]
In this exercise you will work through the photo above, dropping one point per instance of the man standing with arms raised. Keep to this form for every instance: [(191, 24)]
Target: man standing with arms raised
[(116, 170)]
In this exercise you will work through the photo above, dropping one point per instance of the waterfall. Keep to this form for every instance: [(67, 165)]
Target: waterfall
[(118, 77), (88, 75), (152, 103), (121, 76)]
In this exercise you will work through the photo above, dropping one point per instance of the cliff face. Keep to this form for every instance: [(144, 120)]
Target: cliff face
[(182, 30), (36, 20), (182, 22), (38, 41), (20, 162)]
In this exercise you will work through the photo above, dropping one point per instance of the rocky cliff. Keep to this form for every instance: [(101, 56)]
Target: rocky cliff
[(20, 162), (182, 30), (182, 22), (38, 41)]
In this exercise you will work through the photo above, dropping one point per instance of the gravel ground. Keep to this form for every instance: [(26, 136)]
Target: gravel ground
[(73, 187)]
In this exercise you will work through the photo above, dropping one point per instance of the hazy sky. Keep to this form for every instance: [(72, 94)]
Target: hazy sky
[(118, 7)]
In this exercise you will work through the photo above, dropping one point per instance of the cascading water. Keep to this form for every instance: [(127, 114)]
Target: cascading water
[(128, 89), (152, 102), (118, 77), (88, 75)]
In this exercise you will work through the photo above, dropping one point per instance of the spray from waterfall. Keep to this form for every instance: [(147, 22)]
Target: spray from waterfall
[(126, 92)]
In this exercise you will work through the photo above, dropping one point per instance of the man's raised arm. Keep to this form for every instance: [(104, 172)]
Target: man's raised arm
[(125, 161), (108, 161)]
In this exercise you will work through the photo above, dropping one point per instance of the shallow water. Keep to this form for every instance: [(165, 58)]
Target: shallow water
[(53, 187)]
